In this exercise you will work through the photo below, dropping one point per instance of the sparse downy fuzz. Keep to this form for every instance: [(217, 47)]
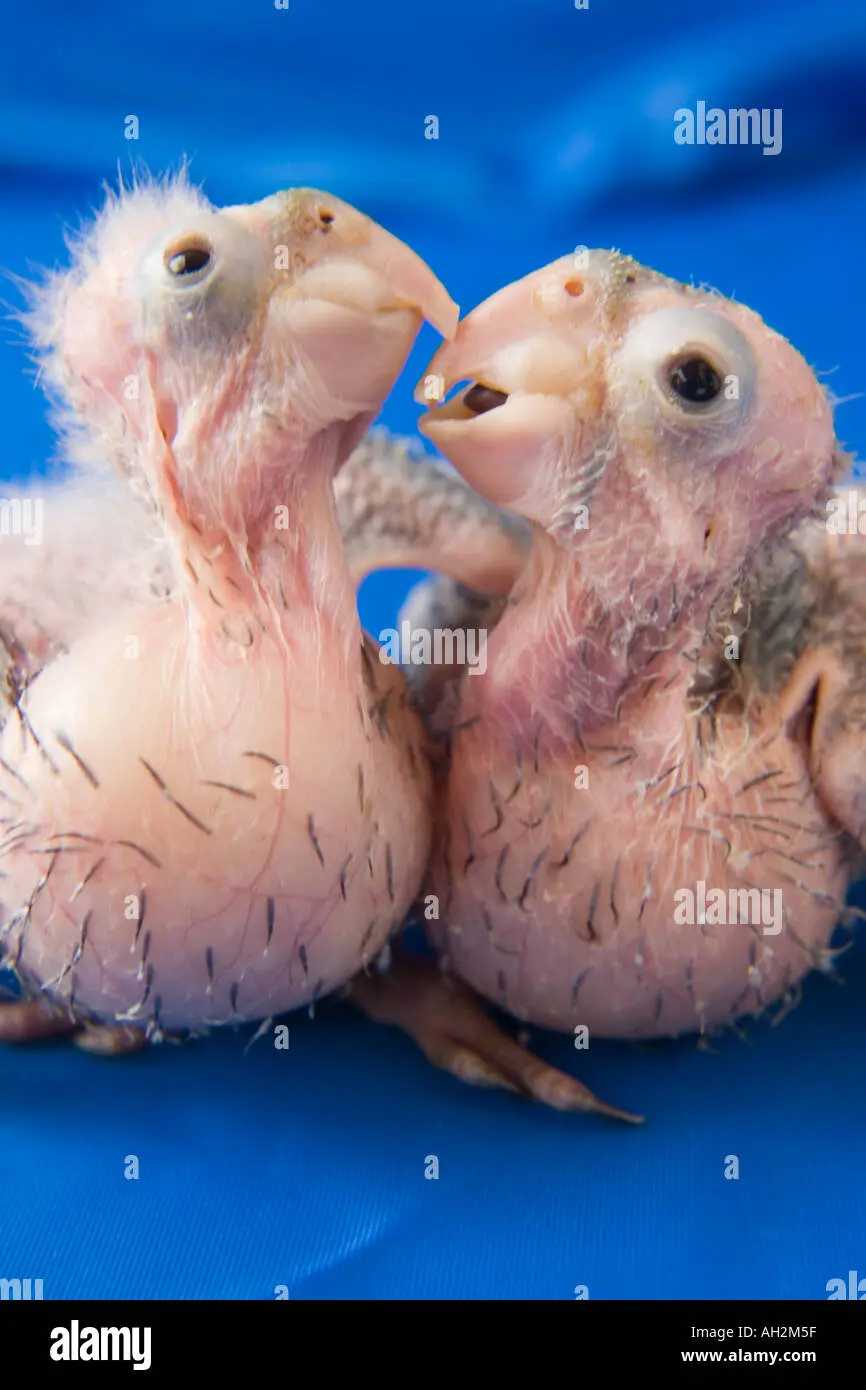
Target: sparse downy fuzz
[(81, 319)]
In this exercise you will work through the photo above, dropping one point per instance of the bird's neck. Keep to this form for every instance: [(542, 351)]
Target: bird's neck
[(568, 651), (269, 552)]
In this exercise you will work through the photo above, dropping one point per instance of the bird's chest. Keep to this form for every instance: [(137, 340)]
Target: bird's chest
[(198, 837), (640, 885)]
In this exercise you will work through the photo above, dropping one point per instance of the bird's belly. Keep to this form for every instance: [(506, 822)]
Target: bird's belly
[(646, 896), (193, 841)]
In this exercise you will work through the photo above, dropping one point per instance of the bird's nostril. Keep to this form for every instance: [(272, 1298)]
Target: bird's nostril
[(481, 398)]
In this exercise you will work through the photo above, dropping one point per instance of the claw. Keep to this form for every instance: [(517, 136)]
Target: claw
[(104, 1040)]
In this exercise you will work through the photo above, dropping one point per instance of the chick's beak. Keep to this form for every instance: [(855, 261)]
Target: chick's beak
[(333, 253), (410, 280), (485, 340), (533, 337), (529, 354)]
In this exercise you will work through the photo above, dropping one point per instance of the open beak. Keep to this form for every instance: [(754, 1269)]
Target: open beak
[(528, 355), (534, 336), (479, 354)]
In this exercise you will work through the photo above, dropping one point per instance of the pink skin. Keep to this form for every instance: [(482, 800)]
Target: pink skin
[(831, 672), (217, 805), (101, 554), (558, 900)]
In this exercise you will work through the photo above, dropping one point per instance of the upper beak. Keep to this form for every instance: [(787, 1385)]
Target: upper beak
[(501, 321), (410, 279), (327, 241)]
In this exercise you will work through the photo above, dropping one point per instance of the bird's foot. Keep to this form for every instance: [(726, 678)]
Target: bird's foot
[(30, 1020), (452, 1028)]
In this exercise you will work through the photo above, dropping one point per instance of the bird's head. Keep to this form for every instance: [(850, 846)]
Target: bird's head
[(651, 428), (213, 350)]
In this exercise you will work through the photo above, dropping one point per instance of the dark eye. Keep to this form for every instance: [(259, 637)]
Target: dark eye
[(483, 398), (188, 260), (695, 381)]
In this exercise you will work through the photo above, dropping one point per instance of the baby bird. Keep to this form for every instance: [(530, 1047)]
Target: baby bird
[(216, 804), (646, 823)]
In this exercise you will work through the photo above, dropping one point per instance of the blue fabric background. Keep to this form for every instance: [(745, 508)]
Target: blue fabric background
[(305, 1168)]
